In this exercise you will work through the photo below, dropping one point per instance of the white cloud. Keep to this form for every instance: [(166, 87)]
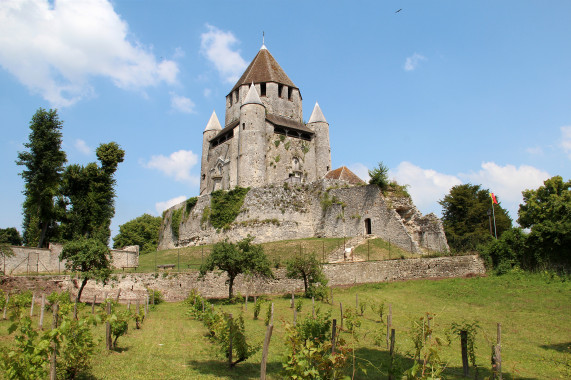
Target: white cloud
[(216, 45), (426, 186), (361, 170), (177, 165), (566, 140), (181, 103), (82, 146), (413, 61), (536, 151), (56, 48), (162, 206), (507, 182)]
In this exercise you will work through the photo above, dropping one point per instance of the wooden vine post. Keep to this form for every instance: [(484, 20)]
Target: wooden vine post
[(93, 304), (389, 323), (32, 306), (341, 309), (333, 334), (265, 351), (6, 305), (108, 341), (464, 347), (53, 359), (230, 340), (42, 311), (392, 353)]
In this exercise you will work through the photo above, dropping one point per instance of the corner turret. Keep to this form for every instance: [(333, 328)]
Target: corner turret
[(320, 126), (213, 127)]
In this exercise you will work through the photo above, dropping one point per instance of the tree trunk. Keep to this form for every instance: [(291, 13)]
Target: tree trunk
[(230, 286), (43, 234), (83, 283), (305, 282)]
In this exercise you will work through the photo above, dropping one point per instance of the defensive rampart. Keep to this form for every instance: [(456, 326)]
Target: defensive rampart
[(29, 260), (176, 286)]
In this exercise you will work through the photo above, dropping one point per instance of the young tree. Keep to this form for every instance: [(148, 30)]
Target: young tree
[(43, 163), (88, 195), (380, 176), (547, 213), (10, 236), (88, 258), (309, 270), (465, 217), (234, 259), (142, 231)]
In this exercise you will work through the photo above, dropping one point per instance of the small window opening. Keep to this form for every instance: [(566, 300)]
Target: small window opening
[(263, 89), (229, 100), (236, 96), (280, 90), (243, 126), (289, 93), (204, 176), (328, 168)]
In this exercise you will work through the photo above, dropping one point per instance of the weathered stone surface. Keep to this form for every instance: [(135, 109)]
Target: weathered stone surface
[(325, 208), (176, 286), (28, 260)]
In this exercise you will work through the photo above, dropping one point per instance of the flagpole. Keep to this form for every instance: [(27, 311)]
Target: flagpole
[(494, 214)]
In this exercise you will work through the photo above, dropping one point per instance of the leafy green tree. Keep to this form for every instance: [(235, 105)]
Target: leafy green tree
[(89, 259), (43, 161), (465, 217), (142, 231), (380, 176), (10, 236), (509, 250), (234, 259), (307, 268), (88, 195), (547, 213)]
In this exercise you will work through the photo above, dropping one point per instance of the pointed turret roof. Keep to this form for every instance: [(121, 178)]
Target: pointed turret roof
[(344, 174), (213, 123), (252, 97), (317, 115), (264, 68)]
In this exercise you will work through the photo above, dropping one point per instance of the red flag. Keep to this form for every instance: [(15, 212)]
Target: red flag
[(494, 200)]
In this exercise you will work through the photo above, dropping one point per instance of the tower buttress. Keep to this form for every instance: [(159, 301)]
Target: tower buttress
[(320, 126), (212, 129), (252, 141)]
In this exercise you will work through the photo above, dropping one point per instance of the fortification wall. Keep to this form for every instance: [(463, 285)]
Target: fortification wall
[(27, 260), (325, 208), (177, 286)]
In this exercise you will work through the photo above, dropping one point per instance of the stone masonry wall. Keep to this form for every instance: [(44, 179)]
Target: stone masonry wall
[(176, 286), (280, 211), (28, 260)]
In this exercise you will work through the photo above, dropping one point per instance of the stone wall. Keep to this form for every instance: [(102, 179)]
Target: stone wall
[(286, 211), (27, 260), (176, 286)]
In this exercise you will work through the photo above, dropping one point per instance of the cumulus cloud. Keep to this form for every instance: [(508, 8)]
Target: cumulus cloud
[(177, 165), (181, 103), (81, 145), (566, 140), (162, 206), (361, 170), (56, 48), (412, 62), (216, 45), (507, 182), (426, 186)]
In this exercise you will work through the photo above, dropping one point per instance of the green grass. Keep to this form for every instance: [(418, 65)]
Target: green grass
[(534, 310), (190, 258), (379, 249)]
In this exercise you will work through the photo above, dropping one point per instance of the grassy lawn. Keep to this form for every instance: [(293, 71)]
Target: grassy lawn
[(190, 258), (534, 310)]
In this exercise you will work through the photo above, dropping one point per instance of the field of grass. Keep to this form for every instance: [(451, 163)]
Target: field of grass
[(534, 310), (190, 258)]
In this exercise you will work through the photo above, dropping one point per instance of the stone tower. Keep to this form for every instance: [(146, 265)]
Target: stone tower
[(264, 139)]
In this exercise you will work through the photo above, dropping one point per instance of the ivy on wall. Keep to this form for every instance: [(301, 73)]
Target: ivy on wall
[(225, 206)]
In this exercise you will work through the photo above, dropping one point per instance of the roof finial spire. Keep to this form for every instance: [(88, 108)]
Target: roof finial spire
[(263, 41)]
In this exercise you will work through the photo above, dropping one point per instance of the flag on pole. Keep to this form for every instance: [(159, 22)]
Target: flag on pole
[(494, 200)]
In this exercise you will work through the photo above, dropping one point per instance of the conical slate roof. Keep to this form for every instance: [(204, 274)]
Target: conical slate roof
[(213, 123), (317, 115), (344, 174), (264, 68), (252, 96)]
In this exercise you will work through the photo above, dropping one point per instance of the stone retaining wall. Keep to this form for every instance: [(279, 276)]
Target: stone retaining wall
[(176, 286)]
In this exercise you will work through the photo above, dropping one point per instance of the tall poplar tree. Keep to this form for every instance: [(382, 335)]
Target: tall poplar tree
[(43, 161)]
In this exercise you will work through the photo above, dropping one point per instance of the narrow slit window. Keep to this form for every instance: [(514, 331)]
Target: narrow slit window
[(280, 90), (263, 89), (289, 93)]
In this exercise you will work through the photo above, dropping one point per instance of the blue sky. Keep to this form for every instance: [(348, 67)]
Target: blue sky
[(442, 92)]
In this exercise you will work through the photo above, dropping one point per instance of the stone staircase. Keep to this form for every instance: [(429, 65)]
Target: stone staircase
[(338, 256)]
